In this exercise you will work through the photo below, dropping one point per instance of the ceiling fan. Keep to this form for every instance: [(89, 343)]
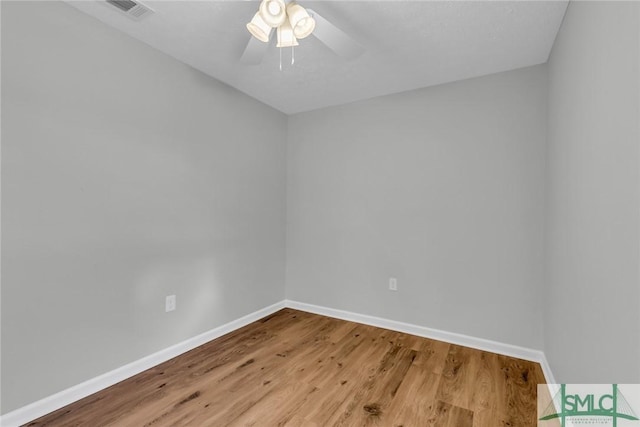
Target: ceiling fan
[(293, 22)]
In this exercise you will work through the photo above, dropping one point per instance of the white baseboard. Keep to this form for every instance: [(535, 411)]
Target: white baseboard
[(56, 401), (436, 334), (546, 369)]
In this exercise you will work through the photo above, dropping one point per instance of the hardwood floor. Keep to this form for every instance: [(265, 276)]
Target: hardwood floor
[(299, 369)]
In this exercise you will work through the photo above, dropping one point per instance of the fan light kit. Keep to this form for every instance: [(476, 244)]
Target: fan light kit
[(292, 22)]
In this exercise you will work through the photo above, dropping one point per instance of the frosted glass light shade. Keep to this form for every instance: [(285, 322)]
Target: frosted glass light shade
[(259, 29), (285, 36), (273, 12), (300, 21)]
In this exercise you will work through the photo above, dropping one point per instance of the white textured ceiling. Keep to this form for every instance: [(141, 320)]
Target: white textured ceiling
[(409, 45)]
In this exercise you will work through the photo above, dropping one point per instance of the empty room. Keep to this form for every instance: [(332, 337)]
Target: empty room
[(320, 213)]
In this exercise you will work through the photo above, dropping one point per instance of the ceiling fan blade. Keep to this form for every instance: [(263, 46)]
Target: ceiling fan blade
[(254, 52), (336, 39)]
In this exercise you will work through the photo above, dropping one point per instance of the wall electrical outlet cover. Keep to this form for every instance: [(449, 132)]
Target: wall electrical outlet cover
[(393, 284), (170, 303)]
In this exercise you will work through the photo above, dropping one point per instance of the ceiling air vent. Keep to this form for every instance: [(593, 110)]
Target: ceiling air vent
[(133, 9)]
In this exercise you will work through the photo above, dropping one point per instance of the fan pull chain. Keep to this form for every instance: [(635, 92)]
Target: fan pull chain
[(293, 59), (280, 59)]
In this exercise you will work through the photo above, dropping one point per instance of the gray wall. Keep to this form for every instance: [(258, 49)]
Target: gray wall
[(592, 330), (442, 188), (126, 176)]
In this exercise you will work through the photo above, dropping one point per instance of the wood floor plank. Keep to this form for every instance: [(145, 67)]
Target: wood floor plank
[(432, 355), (369, 405), (413, 403), (520, 386), (350, 365), (298, 369), (298, 421), (447, 415), (459, 377)]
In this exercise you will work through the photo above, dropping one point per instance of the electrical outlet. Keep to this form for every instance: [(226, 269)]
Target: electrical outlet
[(393, 284), (170, 303)]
